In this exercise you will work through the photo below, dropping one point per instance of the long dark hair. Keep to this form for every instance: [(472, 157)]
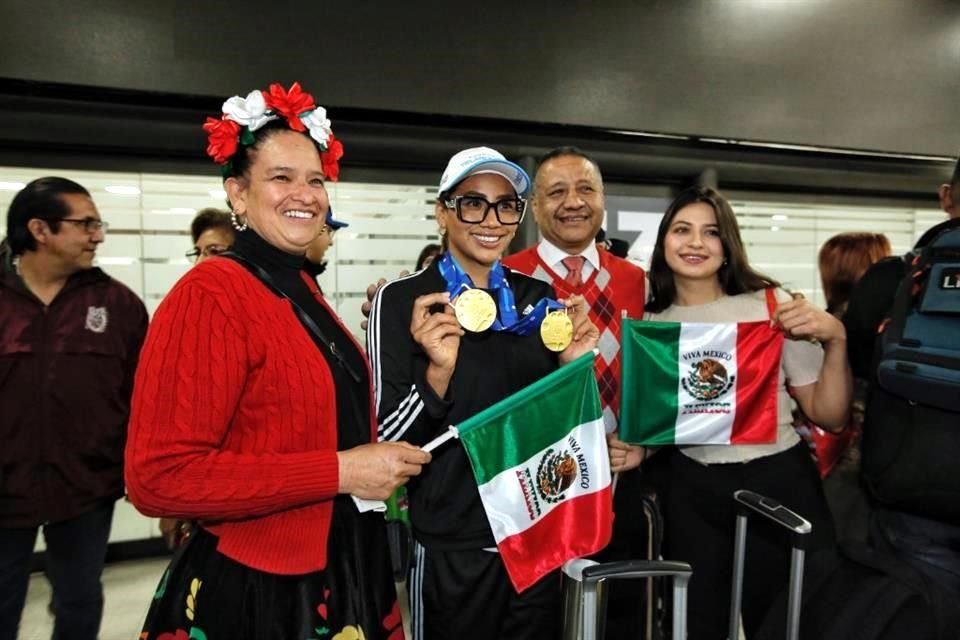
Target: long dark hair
[(736, 275)]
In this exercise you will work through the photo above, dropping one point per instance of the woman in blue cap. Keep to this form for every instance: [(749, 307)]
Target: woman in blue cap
[(317, 251), (432, 370)]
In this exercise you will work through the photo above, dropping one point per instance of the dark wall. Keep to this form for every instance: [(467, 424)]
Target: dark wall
[(858, 74)]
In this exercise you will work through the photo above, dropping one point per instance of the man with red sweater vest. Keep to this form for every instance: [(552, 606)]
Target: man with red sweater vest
[(568, 207)]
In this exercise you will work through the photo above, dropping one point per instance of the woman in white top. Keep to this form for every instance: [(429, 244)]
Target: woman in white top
[(699, 273)]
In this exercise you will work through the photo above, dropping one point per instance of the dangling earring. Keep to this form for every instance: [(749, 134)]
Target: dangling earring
[(237, 224)]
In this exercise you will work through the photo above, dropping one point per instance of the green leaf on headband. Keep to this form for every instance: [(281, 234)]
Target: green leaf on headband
[(246, 138), (226, 169)]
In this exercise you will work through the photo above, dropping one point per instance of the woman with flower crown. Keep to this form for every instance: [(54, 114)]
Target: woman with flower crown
[(252, 411), (434, 367)]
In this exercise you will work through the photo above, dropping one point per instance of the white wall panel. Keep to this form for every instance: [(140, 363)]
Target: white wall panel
[(376, 250), (160, 278), (389, 225), (120, 245)]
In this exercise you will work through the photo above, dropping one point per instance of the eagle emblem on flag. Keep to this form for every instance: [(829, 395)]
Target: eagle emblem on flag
[(707, 380)]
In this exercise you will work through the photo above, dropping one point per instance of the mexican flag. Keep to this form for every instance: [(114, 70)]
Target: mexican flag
[(693, 383), (541, 465)]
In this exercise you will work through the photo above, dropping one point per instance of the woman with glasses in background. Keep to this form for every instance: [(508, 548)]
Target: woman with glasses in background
[(212, 234), (430, 373)]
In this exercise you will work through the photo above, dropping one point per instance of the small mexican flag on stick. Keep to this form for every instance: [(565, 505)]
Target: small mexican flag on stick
[(540, 460), (691, 383)]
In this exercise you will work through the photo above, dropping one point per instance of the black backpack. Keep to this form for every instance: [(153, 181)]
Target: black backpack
[(911, 435), (857, 593)]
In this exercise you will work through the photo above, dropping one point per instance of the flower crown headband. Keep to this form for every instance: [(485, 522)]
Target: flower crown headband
[(242, 116)]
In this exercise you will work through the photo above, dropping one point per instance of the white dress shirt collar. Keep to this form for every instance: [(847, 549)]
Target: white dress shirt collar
[(553, 257)]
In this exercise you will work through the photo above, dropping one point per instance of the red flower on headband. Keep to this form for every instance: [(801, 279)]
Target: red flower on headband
[(290, 104), (330, 159), (222, 138)]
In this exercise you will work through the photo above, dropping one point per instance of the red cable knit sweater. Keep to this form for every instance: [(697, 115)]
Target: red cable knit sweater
[(233, 421)]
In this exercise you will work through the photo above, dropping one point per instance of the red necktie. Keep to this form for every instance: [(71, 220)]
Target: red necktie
[(574, 265)]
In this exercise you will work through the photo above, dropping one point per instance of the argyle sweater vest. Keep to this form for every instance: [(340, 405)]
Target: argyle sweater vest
[(617, 286)]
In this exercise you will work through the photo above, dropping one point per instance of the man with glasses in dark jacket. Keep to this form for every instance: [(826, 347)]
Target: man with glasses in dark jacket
[(69, 340)]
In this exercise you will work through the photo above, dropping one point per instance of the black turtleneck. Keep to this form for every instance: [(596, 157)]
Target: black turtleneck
[(285, 269)]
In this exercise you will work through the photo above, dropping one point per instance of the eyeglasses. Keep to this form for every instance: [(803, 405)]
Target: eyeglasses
[(474, 209), (207, 251), (90, 225)]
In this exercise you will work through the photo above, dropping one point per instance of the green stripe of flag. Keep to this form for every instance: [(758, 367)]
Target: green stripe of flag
[(516, 428), (648, 404)]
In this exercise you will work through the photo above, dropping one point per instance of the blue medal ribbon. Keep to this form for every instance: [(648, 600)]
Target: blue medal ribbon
[(508, 318)]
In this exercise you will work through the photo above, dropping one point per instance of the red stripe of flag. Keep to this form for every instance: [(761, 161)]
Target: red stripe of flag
[(758, 374), (578, 527)]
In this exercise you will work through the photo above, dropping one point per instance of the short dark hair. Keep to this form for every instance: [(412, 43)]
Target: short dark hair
[(39, 199), (209, 218), (955, 180), (429, 250), (567, 150), (736, 275)]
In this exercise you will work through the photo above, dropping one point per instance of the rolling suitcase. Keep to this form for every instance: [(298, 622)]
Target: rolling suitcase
[(587, 577), (799, 530), (634, 608)]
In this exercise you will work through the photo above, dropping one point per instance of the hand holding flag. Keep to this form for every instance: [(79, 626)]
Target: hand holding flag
[(542, 468)]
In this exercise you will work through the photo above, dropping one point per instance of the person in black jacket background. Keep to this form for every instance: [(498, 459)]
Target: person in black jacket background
[(930, 545)]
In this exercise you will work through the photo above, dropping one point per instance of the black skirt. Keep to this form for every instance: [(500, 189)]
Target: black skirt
[(204, 595)]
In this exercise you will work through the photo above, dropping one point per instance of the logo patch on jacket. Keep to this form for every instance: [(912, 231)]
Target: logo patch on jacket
[(96, 319)]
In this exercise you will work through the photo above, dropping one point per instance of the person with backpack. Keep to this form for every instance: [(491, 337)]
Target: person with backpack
[(911, 441), (842, 261)]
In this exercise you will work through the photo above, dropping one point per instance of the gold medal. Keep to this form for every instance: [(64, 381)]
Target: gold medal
[(556, 330), (475, 310)]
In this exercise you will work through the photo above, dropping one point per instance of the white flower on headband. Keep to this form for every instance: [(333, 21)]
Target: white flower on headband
[(318, 124), (250, 112)]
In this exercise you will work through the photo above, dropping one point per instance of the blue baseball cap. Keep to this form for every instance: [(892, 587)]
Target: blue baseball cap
[(332, 222), (483, 160)]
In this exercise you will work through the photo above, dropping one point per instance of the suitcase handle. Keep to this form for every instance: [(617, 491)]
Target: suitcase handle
[(773, 510), (680, 571), (799, 528), (627, 569)]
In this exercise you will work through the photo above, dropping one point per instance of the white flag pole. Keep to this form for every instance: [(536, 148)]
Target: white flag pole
[(450, 434)]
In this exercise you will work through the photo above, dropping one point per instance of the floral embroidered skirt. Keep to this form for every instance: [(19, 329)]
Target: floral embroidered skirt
[(203, 595)]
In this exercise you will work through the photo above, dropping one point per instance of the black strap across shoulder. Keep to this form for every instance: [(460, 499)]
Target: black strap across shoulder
[(261, 274)]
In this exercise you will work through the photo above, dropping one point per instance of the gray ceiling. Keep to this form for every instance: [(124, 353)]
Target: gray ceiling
[(857, 74)]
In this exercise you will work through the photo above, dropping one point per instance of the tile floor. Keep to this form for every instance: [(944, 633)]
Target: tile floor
[(128, 587)]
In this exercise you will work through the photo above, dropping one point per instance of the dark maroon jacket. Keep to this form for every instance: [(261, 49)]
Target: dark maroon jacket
[(66, 375)]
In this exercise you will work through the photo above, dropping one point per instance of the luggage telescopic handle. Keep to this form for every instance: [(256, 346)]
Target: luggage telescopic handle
[(636, 569), (680, 571), (800, 529), (775, 511)]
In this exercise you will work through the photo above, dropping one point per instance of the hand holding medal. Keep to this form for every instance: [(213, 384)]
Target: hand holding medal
[(585, 333), (438, 334)]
